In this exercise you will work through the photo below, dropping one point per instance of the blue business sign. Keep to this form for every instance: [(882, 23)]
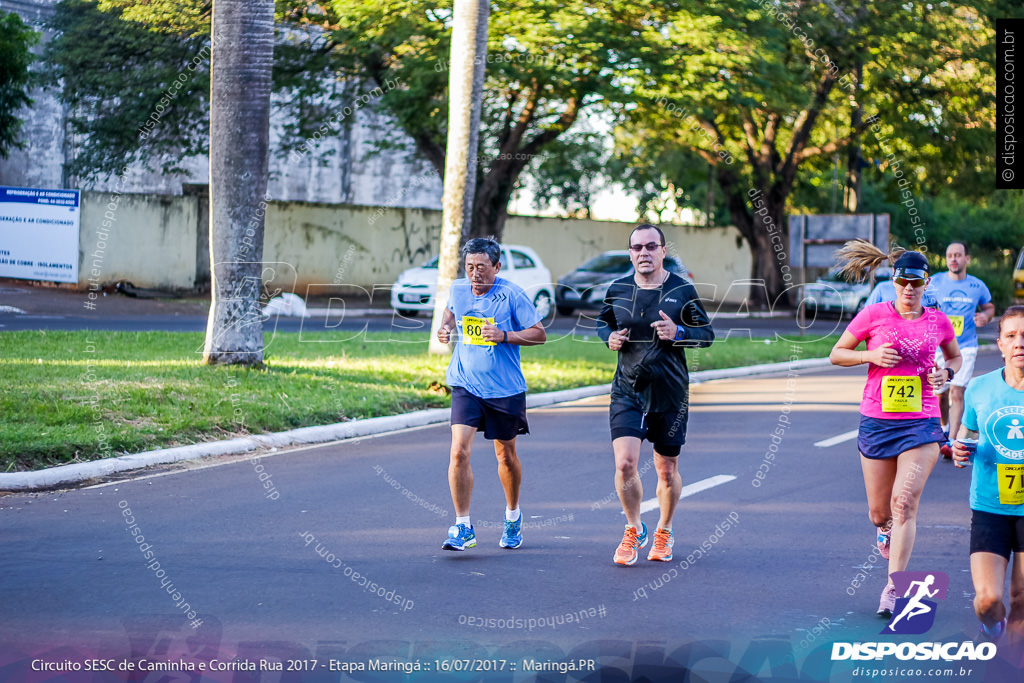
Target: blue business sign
[(39, 231)]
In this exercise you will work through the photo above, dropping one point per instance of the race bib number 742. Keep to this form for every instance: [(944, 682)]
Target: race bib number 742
[(472, 330), (901, 394)]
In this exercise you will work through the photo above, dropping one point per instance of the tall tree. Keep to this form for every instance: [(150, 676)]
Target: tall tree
[(240, 84), (466, 77), (768, 92), (16, 40), (547, 61)]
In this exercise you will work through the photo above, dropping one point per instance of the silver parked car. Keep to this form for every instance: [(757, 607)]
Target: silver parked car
[(832, 294), (414, 291)]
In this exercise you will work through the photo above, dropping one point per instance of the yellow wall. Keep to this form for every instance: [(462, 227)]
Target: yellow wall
[(316, 247)]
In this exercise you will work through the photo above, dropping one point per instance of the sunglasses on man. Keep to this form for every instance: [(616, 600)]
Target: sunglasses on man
[(650, 246)]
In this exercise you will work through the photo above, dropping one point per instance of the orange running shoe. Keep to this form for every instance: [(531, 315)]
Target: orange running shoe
[(662, 550), (628, 551)]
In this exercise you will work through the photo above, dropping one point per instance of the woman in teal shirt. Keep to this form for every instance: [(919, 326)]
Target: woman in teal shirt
[(994, 415)]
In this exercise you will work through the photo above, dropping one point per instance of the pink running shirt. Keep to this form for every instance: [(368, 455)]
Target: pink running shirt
[(916, 342)]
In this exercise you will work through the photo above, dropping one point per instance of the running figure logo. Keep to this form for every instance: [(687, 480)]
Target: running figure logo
[(914, 613)]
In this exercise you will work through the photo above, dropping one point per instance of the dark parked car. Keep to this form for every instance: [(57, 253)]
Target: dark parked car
[(586, 286)]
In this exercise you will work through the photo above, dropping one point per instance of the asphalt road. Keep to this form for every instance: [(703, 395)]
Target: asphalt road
[(279, 558)]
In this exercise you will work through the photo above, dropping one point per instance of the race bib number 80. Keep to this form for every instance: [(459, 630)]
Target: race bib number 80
[(1011, 484), (901, 394), (472, 330)]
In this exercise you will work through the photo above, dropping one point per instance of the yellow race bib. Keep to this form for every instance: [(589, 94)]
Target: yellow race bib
[(472, 330), (901, 394), (958, 324), (1011, 484)]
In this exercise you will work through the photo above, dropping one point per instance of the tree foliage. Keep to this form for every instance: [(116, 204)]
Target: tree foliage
[(572, 170), (769, 93), (117, 73), (16, 40), (547, 61)]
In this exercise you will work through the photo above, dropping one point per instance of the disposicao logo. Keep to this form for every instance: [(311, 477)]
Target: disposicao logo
[(914, 613)]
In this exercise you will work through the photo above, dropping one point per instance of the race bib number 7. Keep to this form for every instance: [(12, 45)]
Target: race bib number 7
[(1011, 484), (472, 330), (901, 394), (958, 324)]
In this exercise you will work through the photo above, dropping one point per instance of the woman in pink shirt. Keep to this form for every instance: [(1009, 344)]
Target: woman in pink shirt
[(900, 431)]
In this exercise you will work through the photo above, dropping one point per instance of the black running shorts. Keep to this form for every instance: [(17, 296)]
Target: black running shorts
[(499, 418), (999, 534), (666, 431)]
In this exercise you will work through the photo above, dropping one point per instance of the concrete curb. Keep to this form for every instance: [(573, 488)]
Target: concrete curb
[(56, 477)]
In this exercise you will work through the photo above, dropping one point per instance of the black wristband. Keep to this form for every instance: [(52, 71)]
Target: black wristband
[(505, 340), (950, 372)]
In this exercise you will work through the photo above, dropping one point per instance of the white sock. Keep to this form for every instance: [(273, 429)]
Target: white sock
[(512, 515), (463, 520)]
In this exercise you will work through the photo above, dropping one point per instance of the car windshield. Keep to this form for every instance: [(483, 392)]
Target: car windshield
[(607, 263)]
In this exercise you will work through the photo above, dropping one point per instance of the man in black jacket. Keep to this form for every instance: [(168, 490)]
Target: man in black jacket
[(648, 318)]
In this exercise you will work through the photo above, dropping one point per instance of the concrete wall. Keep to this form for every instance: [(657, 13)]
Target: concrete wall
[(153, 243), (345, 166), (149, 240)]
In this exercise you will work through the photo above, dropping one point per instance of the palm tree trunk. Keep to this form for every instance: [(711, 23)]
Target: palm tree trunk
[(465, 102), (240, 83)]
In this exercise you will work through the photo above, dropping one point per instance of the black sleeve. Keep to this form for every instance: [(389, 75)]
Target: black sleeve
[(695, 320), (606, 318), (699, 333)]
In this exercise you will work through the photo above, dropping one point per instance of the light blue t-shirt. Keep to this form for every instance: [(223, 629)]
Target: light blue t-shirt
[(996, 411), (488, 371), (961, 298), (885, 290)]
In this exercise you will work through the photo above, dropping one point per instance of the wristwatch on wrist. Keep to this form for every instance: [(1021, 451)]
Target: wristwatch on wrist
[(949, 374), (680, 333)]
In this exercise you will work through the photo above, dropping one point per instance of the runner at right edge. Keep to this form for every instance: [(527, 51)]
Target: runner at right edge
[(991, 437), (899, 432)]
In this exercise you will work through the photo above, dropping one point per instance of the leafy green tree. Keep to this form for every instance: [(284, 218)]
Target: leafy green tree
[(572, 170), (16, 40), (769, 93), (547, 61), (137, 90)]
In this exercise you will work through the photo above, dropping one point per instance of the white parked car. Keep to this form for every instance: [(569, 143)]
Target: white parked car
[(415, 288)]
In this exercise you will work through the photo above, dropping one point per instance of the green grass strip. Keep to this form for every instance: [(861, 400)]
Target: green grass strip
[(77, 396)]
